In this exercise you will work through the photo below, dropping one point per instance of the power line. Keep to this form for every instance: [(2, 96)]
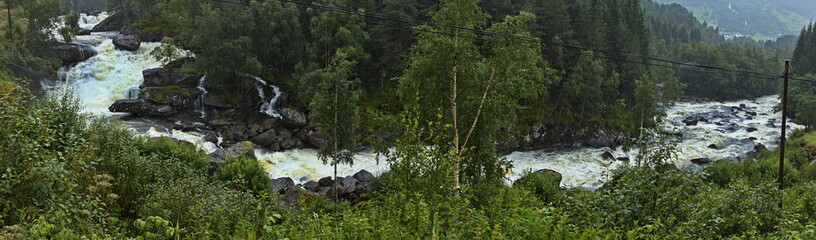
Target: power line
[(484, 32), (540, 43)]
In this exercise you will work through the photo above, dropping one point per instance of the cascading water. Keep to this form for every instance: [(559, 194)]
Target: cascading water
[(133, 93), (270, 107), (89, 21), (586, 167), (199, 104), (101, 80), (734, 128)]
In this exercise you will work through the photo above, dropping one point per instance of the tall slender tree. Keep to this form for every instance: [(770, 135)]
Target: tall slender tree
[(336, 49), (334, 110), (469, 87)]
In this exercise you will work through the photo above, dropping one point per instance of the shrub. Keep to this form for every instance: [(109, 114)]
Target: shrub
[(721, 173), (544, 185), (247, 173), (743, 207), (166, 148)]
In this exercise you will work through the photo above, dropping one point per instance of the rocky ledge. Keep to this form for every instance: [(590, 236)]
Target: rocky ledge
[(73, 53), (174, 97)]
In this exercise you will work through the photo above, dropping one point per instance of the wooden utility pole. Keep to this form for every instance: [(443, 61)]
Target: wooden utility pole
[(784, 126)]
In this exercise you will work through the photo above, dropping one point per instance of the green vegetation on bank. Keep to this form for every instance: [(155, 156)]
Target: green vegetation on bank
[(63, 177)]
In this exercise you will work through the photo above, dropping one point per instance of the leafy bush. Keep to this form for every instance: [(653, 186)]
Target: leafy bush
[(721, 173), (166, 148), (247, 173), (543, 184), (742, 208)]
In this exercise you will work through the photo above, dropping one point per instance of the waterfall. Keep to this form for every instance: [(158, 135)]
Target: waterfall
[(201, 108), (102, 79), (268, 107), (86, 21), (133, 93), (89, 21)]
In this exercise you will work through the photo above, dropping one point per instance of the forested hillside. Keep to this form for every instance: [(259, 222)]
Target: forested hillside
[(760, 18), (434, 87)]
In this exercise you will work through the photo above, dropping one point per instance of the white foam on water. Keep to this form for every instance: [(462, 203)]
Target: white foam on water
[(268, 107), (579, 168), (199, 104), (90, 21), (304, 165), (85, 21), (195, 138), (101, 80), (586, 168)]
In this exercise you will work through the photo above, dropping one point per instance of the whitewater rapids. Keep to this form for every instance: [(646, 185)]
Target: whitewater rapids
[(735, 127)]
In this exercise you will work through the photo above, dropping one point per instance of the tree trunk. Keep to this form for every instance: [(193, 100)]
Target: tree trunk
[(8, 10), (336, 195), (454, 115)]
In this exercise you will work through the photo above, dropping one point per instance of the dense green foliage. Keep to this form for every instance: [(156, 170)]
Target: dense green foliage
[(802, 94), (804, 55), (723, 85), (66, 178), (472, 90)]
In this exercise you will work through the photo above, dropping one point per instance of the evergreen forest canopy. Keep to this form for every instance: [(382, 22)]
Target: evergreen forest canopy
[(297, 50)]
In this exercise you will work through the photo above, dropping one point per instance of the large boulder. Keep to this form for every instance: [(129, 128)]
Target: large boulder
[(73, 53), (145, 35), (288, 139), (293, 118), (130, 42), (160, 77), (692, 120), (127, 105), (279, 185), (265, 139), (294, 193), (316, 140), (311, 186), (607, 155), (601, 140), (113, 23), (245, 148), (325, 182), (83, 32), (157, 110), (170, 95), (214, 100), (364, 176), (701, 161), (348, 185)]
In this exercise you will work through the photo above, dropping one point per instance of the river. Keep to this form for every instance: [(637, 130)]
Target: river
[(734, 127)]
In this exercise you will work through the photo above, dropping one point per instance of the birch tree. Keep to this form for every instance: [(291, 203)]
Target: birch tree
[(472, 86)]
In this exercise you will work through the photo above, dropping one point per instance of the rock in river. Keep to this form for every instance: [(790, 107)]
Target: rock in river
[(73, 53), (127, 42)]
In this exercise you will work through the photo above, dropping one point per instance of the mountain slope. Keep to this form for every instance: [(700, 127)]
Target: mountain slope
[(761, 18)]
